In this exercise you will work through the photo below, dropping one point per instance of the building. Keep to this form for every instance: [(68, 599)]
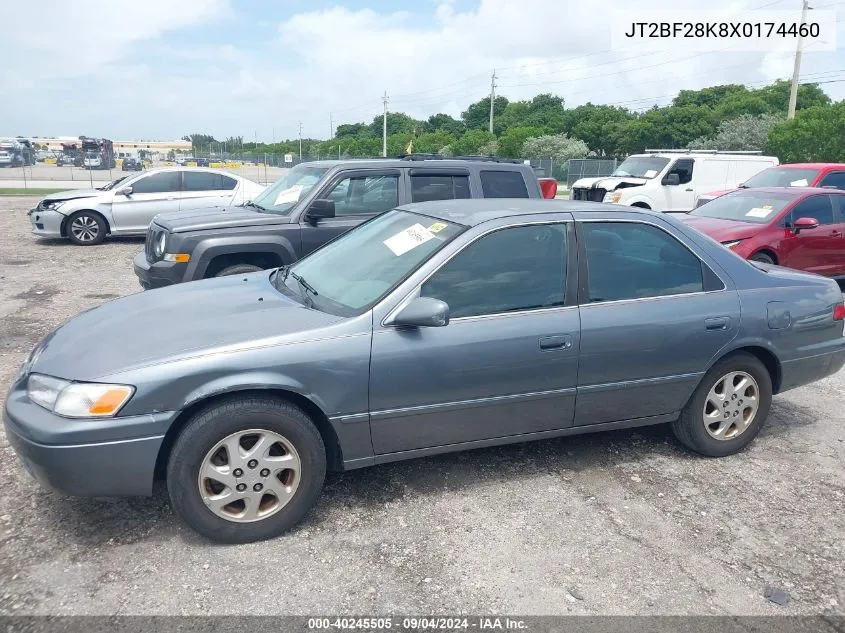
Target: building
[(123, 149)]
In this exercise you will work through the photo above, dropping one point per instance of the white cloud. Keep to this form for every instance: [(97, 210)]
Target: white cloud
[(135, 75)]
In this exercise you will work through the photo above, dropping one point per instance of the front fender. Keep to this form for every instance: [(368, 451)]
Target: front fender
[(639, 198), (207, 249)]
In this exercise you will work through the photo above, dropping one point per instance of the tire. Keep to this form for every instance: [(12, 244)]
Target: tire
[(239, 417), (762, 258), (694, 431), (86, 228), (238, 269)]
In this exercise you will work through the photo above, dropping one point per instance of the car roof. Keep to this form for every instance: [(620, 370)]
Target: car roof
[(793, 191), (399, 162), (809, 165), (213, 170), (480, 210)]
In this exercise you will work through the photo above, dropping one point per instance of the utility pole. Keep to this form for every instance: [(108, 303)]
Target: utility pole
[(384, 127), (331, 126), (796, 70), (300, 141), (492, 97)]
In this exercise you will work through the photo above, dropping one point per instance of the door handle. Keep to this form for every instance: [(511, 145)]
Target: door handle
[(173, 198), (836, 233), (716, 324), (561, 341), (687, 189)]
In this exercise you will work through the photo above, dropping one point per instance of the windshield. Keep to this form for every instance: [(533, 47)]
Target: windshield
[(745, 206), (355, 271), (285, 193), (782, 177), (641, 166), (113, 184)]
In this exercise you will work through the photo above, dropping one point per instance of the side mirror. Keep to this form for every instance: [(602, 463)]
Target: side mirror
[(125, 191), (802, 224), (672, 180), (423, 312), (320, 208)]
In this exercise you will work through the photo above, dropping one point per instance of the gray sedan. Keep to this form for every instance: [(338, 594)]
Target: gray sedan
[(128, 205), (436, 327)]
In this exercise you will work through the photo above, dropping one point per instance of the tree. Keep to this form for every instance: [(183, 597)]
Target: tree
[(351, 129), (814, 135), (396, 122), (777, 96), (477, 115), (431, 142), (510, 143), (597, 125), (445, 123), (711, 97), (471, 143), (558, 147), (744, 133), (199, 142)]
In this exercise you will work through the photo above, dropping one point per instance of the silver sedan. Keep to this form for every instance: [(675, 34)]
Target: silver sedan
[(127, 206)]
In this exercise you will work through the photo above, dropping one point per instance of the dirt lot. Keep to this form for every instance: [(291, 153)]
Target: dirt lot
[(614, 523)]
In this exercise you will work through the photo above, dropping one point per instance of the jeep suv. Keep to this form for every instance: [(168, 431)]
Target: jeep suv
[(312, 204)]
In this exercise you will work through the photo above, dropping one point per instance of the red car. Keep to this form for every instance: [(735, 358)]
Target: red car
[(789, 175), (798, 227)]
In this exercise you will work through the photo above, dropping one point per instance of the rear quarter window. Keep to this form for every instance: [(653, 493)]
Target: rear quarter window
[(503, 184)]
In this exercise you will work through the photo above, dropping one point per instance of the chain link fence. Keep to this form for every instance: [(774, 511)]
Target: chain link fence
[(588, 168)]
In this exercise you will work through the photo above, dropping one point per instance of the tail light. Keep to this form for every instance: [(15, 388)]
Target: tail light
[(549, 187), (839, 312)]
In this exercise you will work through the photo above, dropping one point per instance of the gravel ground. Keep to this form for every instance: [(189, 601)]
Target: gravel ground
[(614, 523)]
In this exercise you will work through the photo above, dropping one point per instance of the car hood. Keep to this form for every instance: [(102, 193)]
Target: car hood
[(73, 194), (216, 218), (722, 230), (609, 183), (715, 194), (155, 326)]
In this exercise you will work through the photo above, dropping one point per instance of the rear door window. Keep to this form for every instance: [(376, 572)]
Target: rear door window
[(208, 181), (497, 183), (425, 187), (833, 179)]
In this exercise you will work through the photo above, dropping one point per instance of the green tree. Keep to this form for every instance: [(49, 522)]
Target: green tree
[(345, 130), (396, 122), (598, 126), (815, 135), (199, 142), (510, 143), (431, 142), (471, 143), (744, 133), (558, 147), (777, 96), (477, 115), (445, 123), (710, 97)]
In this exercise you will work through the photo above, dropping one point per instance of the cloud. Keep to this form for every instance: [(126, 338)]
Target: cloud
[(163, 69)]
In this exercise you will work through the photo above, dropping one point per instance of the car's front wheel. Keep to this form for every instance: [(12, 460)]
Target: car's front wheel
[(728, 408), (238, 269), (245, 469), (86, 228)]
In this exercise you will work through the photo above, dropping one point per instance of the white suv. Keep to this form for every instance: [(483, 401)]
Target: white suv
[(670, 180)]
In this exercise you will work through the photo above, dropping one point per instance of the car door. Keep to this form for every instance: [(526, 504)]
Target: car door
[(151, 194), (358, 196), (817, 250), (506, 363), (838, 252), (835, 179), (680, 197), (653, 316), (203, 189)]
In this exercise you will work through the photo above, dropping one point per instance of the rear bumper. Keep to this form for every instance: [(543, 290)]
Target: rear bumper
[(85, 467), (802, 371), (159, 274)]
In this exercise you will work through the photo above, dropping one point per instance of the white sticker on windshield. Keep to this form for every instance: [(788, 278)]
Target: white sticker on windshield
[(799, 183), (291, 194), (759, 212), (650, 173), (408, 239)]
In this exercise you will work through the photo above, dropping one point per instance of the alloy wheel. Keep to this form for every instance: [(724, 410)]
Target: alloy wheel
[(731, 405), (85, 228)]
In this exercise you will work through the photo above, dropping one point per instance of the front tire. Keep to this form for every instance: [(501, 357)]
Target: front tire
[(238, 269), (763, 258), (86, 228), (728, 408), (246, 469)]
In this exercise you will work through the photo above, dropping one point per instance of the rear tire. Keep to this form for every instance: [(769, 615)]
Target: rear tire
[(299, 479), (238, 269), (86, 228), (763, 258), (716, 421)]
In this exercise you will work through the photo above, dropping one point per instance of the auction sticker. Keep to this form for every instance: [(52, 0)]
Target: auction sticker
[(437, 227), (291, 194), (408, 239), (759, 212), (799, 183)]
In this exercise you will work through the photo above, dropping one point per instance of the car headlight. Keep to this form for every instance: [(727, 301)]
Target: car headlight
[(77, 399), (731, 244), (52, 205), (613, 196), (160, 244)]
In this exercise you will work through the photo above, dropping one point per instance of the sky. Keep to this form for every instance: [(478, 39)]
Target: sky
[(160, 69)]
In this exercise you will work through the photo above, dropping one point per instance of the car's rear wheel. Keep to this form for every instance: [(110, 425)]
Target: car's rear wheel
[(764, 258), (728, 408), (238, 269), (86, 228), (246, 469)]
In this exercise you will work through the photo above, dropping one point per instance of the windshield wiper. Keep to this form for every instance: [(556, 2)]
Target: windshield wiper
[(301, 281), (250, 203)]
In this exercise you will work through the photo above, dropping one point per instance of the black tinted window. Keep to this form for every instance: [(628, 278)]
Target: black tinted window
[(443, 187), (208, 181), (834, 179), (512, 269), (163, 182), (634, 261), (817, 207), (503, 184), (683, 168), (840, 202), (365, 194)]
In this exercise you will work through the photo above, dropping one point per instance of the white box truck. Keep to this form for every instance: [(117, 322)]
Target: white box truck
[(670, 180)]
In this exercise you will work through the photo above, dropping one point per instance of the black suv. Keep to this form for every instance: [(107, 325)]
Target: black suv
[(312, 204)]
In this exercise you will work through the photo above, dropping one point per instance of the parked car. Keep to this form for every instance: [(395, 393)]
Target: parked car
[(801, 228), (312, 204), (132, 164), (789, 175), (670, 180), (436, 327), (87, 216)]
